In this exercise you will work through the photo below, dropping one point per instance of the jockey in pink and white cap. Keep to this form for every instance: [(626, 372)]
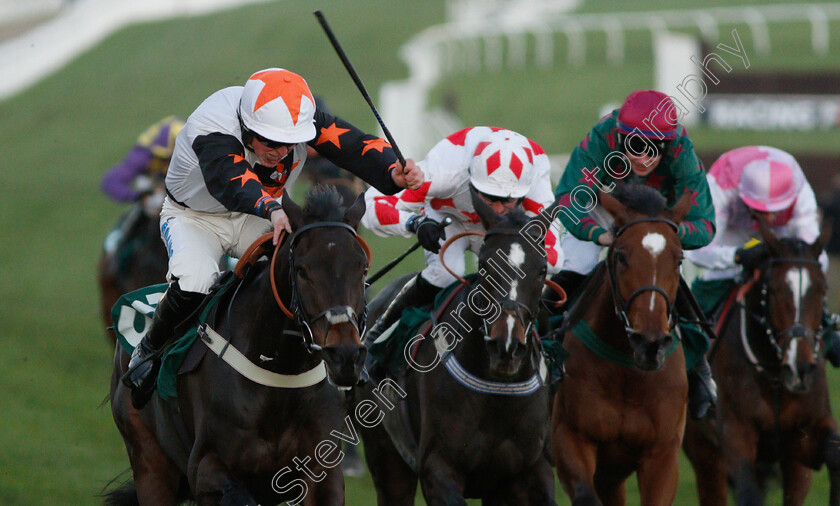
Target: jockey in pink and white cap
[(756, 180)]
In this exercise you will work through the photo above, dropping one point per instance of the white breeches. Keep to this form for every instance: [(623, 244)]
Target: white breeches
[(196, 242)]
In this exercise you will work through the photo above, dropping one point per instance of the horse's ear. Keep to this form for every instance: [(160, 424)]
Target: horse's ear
[(353, 215), (488, 216), (825, 234), (767, 235), (616, 209), (678, 212), (293, 211)]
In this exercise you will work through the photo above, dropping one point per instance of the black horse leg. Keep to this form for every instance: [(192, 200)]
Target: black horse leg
[(395, 482), (747, 489), (441, 485), (831, 455), (534, 486), (215, 485)]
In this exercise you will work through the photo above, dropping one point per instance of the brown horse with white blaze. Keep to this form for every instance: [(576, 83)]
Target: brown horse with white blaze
[(773, 405), (622, 406)]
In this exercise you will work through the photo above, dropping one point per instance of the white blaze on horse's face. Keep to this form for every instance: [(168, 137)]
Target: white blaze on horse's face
[(798, 281), (330, 245), (511, 321), (516, 257), (655, 243)]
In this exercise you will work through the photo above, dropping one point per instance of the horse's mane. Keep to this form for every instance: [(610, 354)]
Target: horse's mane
[(640, 198), (797, 246), (515, 218), (323, 203)]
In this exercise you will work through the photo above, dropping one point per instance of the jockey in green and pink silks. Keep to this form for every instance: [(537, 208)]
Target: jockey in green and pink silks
[(641, 143)]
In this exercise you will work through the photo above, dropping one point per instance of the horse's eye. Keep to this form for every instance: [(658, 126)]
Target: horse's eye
[(543, 270), (620, 257), (301, 273)]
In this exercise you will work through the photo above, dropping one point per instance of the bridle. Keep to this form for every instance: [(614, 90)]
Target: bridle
[(296, 310), (795, 332), (621, 305), (507, 305)]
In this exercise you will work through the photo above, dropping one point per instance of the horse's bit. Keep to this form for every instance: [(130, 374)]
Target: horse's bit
[(334, 315)]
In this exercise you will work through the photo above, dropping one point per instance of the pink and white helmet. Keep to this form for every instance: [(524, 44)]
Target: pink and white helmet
[(771, 182), (278, 105), (503, 165)]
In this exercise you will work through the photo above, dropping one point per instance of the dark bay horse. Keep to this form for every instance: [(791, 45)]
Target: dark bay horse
[(137, 259), (773, 405), (622, 406), (476, 413), (228, 439)]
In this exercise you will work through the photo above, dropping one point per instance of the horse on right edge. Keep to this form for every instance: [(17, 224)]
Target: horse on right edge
[(773, 402)]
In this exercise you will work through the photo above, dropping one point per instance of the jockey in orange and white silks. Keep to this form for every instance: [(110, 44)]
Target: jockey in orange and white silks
[(505, 168), (232, 160)]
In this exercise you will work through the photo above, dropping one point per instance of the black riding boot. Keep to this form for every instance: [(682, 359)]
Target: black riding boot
[(174, 306), (417, 292), (702, 390), (549, 320), (571, 282)]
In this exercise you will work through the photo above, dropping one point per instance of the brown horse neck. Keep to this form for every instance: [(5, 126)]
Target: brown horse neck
[(601, 317)]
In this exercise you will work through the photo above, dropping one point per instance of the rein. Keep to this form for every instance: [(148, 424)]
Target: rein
[(334, 315), (620, 304), (551, 284), (795, 332)]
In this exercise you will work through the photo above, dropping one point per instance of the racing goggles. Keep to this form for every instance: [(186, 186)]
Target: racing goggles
[(495, 198), (270, 144), (638, 146)]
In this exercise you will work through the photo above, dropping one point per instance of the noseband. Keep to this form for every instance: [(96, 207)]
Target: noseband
[(795, 332), (334, 315), (622, 305)]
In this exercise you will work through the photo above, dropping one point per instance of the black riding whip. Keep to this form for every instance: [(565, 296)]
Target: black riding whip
[(390, 265), (359, 84)]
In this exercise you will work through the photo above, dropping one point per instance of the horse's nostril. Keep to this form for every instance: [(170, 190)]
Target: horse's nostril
[(519, 350), (361, 354)]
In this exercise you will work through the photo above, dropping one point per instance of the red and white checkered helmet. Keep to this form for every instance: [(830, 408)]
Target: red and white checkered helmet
[(503, 165), (771, 182), (278, 105)]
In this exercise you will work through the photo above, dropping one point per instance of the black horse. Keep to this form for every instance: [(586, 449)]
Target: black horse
[(476, 415), (773, 405), (233, 440)]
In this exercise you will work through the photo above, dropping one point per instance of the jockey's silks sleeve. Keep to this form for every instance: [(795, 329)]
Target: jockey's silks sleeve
[(596, 164), (447, 191), (367, 156), (231, 180)]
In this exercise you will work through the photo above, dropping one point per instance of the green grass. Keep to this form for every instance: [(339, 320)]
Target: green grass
[(57, 444)]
